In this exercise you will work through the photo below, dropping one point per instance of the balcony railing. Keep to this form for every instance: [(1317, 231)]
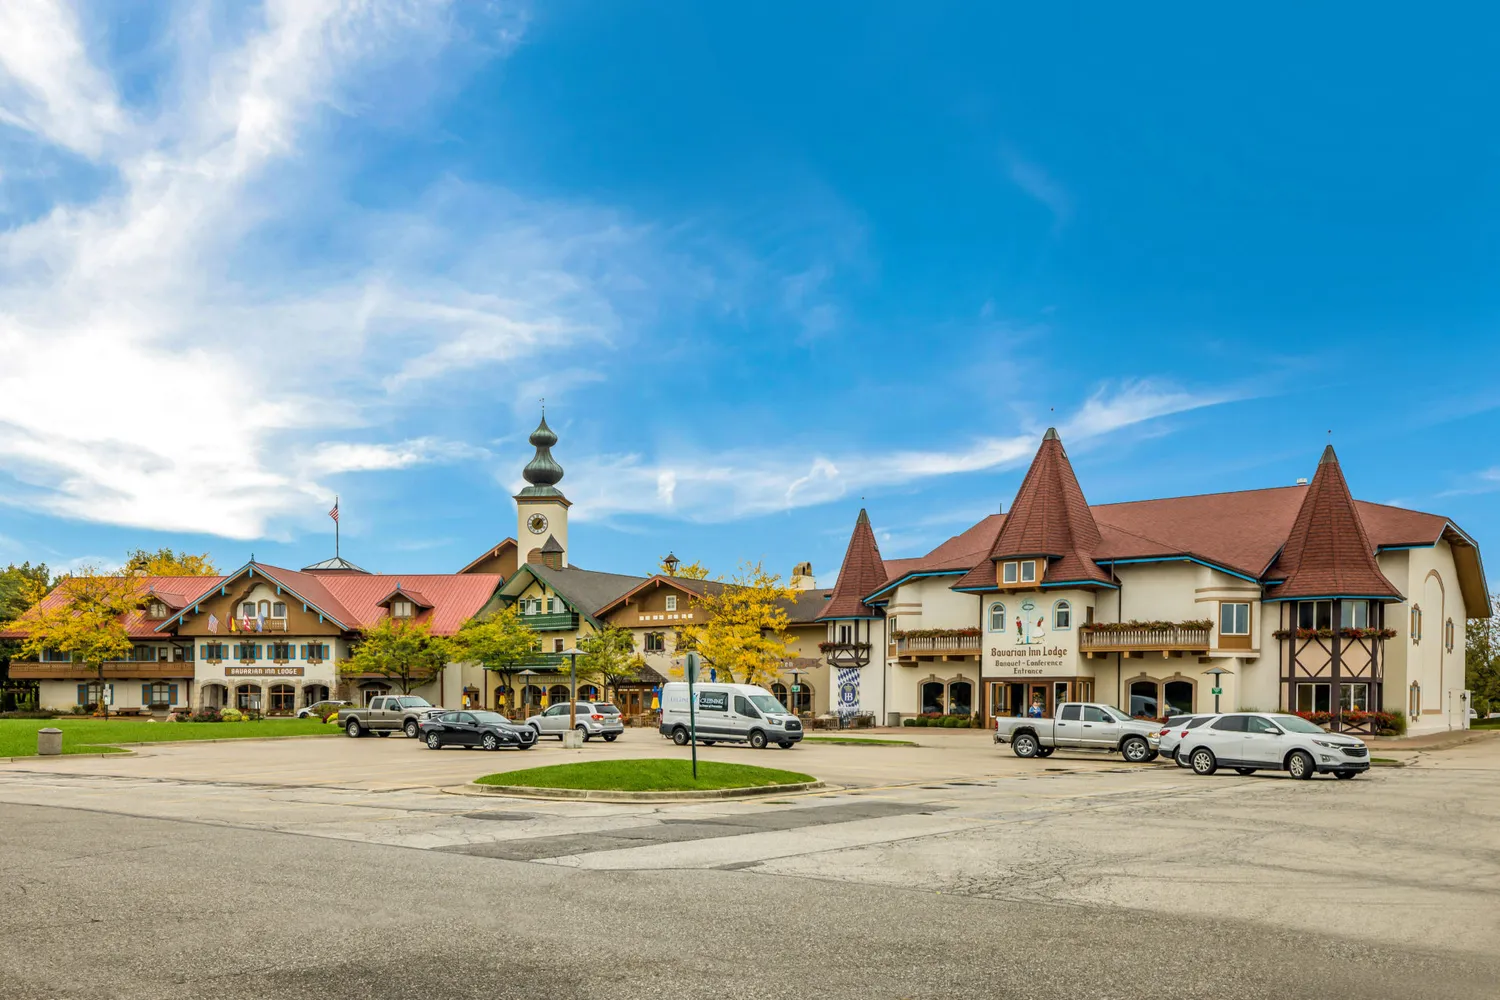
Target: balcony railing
[(1131, 640), (113, 670), (964, 645), (846, 654), (551, 622), (248, 625)]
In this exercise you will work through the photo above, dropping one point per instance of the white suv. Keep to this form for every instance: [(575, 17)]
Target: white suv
[(1251, 741)]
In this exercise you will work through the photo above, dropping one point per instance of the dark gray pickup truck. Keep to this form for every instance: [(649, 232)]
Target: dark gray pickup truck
[(389, 713)]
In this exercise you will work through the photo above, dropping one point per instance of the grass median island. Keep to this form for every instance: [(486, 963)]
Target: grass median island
[(646, 776), (18, 736)]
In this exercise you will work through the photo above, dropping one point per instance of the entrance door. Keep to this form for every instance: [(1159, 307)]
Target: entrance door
[(1038, 695)]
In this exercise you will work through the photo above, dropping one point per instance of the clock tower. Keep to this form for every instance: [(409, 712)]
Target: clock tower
[(541, 508)]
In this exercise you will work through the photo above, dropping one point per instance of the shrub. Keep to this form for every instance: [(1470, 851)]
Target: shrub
[(207, 713), (28, 713), (232, 715), (908, 722), (952, 721)]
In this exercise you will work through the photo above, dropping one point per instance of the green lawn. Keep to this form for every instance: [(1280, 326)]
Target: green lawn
[(18, 736), (858, 741), (646, 776), (1484, 723)]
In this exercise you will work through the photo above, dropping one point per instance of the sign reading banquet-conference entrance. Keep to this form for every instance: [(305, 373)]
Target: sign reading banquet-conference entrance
[(1027, 649)]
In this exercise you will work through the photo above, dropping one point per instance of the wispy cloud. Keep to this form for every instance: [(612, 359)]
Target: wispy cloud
[(731, 485), (1037, 183), (1483, 481), (178, 282)]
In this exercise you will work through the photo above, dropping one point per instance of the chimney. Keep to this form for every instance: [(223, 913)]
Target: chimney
[(1301, 480), (802, 577)]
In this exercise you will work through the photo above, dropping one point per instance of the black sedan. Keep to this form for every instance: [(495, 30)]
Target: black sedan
[(490, 730)]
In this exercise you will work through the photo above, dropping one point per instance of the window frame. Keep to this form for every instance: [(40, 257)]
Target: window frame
[(1000, 607), (1028, 571), (1234, 630), (1010, 572), (1313, 688), (671, 602), (1062, 615)]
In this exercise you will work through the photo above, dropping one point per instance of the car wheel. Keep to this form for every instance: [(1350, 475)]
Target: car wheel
[(1244, 770), (1204, 761), (787, 745), (1045, 751), (1179, 760), (1135, 749), (1344, 775), (680, 736), (491, 741), (1301, 765), (1153, 755), (758, 740), (708, 743), (383, 733), (411, 728), (583, 732), (1025, 745), (611, 737), (434, 741), (353, 729)]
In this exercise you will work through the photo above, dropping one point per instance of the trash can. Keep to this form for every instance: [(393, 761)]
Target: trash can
[(49, 742), (893, 719)]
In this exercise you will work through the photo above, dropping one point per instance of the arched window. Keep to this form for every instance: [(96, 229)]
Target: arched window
[(1416, 623), (1143, 700), (1179, 695), (588, 692), (960, 698), (557, 694), (779, 691), (1448, 634), (1062, 615), (531, 698), (283, 698), (932, 698), (997, 617), (264, 608), (314, 693), (801, 703), (247, 697)]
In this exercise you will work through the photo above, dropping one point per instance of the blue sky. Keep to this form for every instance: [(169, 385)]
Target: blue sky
[(761, 263)]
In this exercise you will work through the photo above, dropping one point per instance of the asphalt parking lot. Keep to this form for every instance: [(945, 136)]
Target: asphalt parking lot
[(336, 867)]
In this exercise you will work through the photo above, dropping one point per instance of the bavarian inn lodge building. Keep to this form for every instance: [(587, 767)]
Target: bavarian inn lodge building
[(1296, 598)]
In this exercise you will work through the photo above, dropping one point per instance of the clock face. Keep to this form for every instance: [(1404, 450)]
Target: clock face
[(536, 523)]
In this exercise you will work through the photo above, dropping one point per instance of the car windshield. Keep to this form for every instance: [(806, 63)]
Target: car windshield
[(768, 704), (1114, 716), (1296, 724), (489, 718), (414, 703)]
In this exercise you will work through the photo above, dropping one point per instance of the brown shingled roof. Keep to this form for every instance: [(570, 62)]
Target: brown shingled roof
[(1328, 553), (862, 573)]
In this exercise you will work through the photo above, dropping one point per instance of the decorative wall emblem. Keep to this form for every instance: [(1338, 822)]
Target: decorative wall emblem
[(1030, 625)]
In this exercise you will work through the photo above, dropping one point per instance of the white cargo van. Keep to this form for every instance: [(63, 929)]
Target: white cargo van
[(728, 713)]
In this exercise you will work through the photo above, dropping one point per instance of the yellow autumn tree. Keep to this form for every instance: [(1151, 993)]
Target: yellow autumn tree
[(685, 571), (744, 633), (165, 562), (86, 622)]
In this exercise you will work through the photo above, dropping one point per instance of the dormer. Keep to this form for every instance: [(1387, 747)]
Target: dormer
[(404, 604), (1020, 573)]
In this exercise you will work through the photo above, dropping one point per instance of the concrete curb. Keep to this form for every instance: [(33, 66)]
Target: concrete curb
[(71, 756), (602, 795)]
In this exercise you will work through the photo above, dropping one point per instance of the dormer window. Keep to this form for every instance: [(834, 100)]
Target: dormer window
[(671, 602), (401, 609), (156, 609), (1028, 571), (1009, 573)]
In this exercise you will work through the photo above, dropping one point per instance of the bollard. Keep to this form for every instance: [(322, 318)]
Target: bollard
[(572, 739), (48, 742)]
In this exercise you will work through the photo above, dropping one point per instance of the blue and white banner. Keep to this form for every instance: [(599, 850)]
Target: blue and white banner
[(848, 692)]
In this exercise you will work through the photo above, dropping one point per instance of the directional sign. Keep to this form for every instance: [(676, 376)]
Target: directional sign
[(1216, 691), (796, 688)]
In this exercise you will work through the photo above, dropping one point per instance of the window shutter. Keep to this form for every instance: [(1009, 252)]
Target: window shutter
[(172, 693), (145, 694), (83, 693), (257, 650)]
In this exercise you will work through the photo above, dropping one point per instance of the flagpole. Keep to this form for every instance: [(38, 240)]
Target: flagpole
[(335, 528)]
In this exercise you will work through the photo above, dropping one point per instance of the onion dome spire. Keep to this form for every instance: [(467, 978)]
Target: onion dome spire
[(542, 472)]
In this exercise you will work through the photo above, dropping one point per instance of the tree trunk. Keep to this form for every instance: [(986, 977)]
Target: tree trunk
[(102, 709)]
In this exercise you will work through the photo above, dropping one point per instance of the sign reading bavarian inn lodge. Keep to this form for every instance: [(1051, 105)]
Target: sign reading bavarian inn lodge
[(1029, 655), (263, 671)]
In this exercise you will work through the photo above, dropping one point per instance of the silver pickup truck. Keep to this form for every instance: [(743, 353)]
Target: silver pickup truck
[(389, 713), (1080, 726)]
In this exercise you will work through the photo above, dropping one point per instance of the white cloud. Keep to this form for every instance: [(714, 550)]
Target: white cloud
[(170, 363), (1038, 184), (728, 486)]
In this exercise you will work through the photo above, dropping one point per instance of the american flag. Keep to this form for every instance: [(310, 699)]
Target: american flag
[(335, 512)]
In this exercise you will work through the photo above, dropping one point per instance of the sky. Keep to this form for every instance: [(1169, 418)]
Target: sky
[(766, 264)]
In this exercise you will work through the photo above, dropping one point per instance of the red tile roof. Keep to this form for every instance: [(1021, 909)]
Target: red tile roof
[(175, 591), (861, 573), (1328, 553)]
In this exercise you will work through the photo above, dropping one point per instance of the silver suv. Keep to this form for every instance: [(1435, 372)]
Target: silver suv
[(591, 718), (1255, 741)]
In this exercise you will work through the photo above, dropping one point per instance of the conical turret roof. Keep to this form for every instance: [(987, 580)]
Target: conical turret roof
[(863, 572), (1049, 519), (1328, 553)]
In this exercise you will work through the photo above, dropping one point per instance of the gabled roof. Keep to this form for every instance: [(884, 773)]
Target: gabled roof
[(1328, 553), (174, 591), (585, 590), (807, 607), (689, 588), (862, 572), (490, 553), (405, 593), (1050, 518)]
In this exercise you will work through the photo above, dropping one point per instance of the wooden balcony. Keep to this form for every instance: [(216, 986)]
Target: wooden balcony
[(23, 671), (1171, 639), (846, 654), (556, 621), (931, 647)]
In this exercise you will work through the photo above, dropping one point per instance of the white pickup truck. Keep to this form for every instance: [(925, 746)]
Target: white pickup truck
[(386, 714), (1080, 726)]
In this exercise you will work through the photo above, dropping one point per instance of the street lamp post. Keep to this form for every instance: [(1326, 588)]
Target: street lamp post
[(1217, 673)]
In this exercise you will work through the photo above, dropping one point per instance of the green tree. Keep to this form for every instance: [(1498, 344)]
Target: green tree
[(1482, 661), (87, 622), (744, 634), (501, 643), (21, 589), (607, 657), (685, 571), (401, 649), (165, 562)]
